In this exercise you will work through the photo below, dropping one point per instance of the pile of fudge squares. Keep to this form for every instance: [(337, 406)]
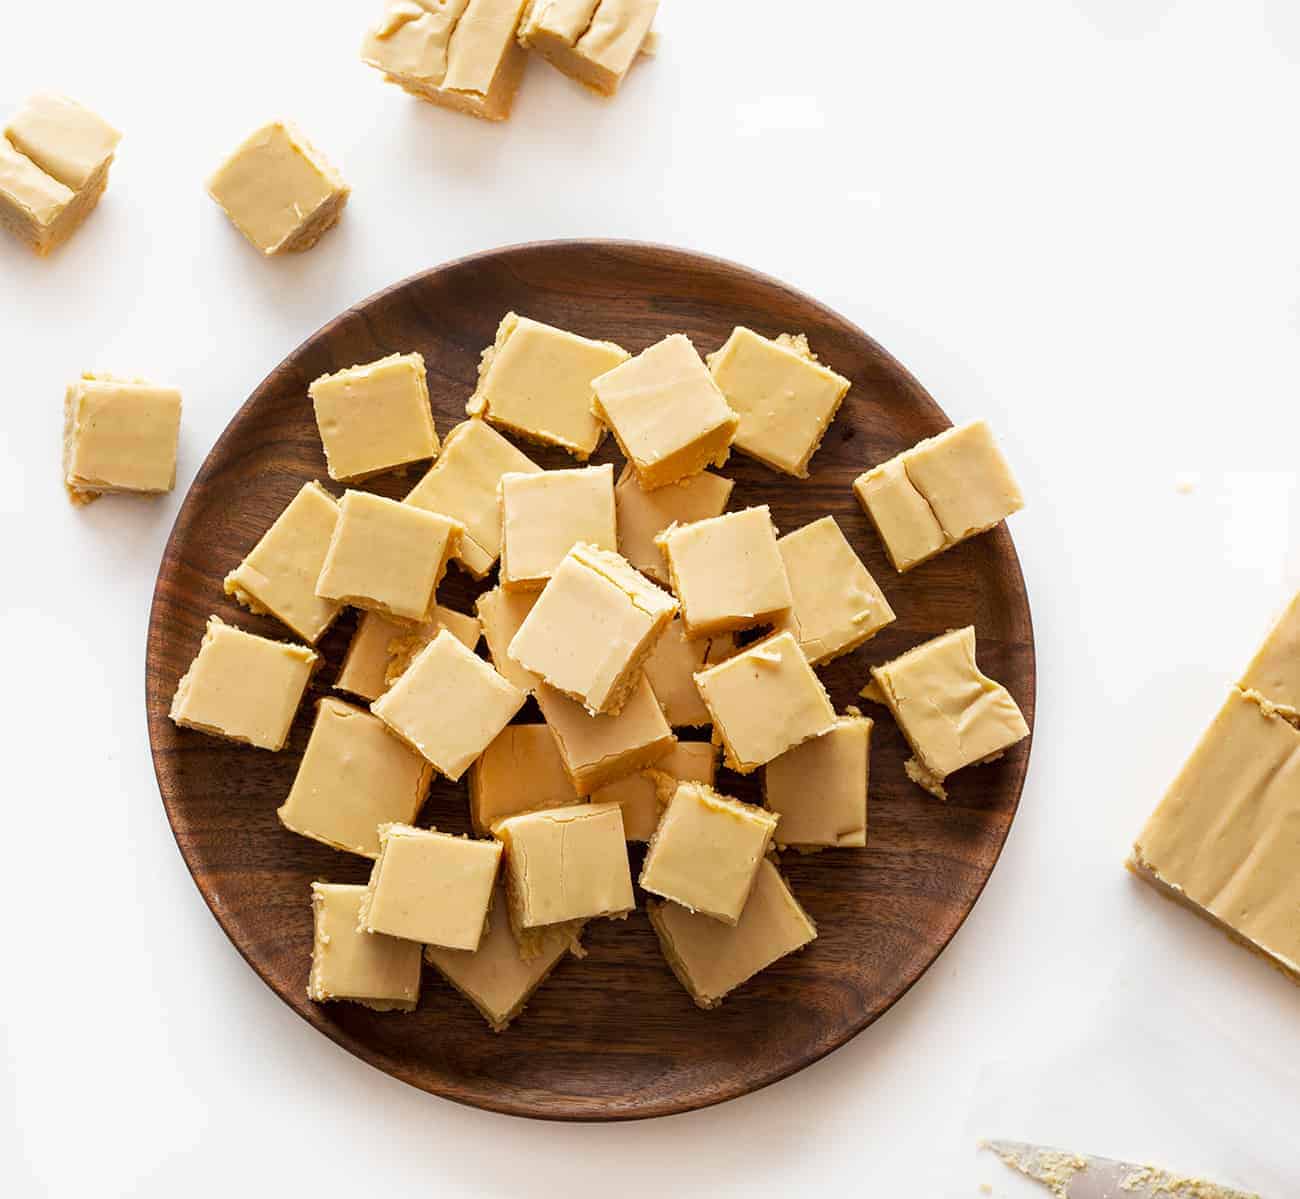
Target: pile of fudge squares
[(629, 609), (277, 188)]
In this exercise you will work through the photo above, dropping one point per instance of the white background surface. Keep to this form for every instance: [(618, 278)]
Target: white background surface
[(1076, 219)]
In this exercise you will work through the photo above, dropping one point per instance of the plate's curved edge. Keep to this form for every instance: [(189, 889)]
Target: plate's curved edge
[(157, 720)]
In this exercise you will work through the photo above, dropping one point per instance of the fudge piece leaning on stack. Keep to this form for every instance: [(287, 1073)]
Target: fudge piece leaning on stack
[(618, 609)]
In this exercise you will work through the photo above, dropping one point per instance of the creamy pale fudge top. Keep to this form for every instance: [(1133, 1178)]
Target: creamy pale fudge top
[(728, 571), (666, 413), (353, 777), (243, 687), (785, 398), (387, 557), (711, 958), (592, 41), (952, 714), (671, 670), (819, 788), (430, 887), (941, 491), (764, 700), (381, 649), (706, 851), (278, 190), (54, 162), (837, 604), (535, 380), (449, 705), (1274, 671), (643, 515), (464, 483), (599, 749), (501, 614), (566, 864), (496, 978), (461, 54), (592, 629), (520, 771), (374, 417), (545, 515), (278, 577), (406, 646), (119, 435), (1223, 839), (643, 795), (379, 972)]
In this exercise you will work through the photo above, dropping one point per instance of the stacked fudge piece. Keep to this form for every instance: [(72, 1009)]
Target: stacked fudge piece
[(622, 618), (470, 55)]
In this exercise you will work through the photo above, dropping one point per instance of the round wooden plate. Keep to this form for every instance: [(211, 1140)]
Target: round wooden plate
[(614, 1036)]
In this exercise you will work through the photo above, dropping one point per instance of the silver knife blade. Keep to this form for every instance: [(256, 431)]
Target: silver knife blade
[(1080, 1176)]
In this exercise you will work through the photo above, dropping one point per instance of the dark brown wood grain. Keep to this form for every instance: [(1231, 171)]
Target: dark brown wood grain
[(614, 1036)]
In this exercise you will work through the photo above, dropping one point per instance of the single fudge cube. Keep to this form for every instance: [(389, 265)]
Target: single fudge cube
[(599, 749), (671, 669), (764, 700), (535, 381), (837, 604), (365, 664), (378, 972), (387, 557), (459, 54), (374, 417), (464, 484), (1274, 671), (906, 523), (592, 629), (819, 788), (565, 864), (711, 959), (243, 687), (543, 516), (520, 771), (430, 887), (940, 492), (666, 413), (278, 190), (496, 977), (54, 162), (119, 435), (706, 851), (728, 572), (502, 613), (279, 575), (405, 647), (951, 713), (643, 515), (785, 398), (354, 776), (449, 705), (1223, 839), (592, 41), (643, 795)]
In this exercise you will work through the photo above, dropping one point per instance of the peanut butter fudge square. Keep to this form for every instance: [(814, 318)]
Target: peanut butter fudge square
[(348, 964), (711, 959)]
